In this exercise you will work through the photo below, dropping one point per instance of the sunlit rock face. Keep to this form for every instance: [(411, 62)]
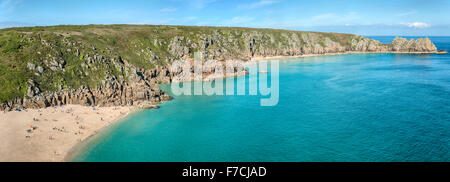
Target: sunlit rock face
[(122, 64)]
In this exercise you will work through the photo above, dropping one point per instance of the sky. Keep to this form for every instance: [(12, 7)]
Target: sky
[(363, 17)]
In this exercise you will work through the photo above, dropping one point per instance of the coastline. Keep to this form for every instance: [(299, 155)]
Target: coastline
[(261, 58), (73, 151), (253, 60), (60, 129)]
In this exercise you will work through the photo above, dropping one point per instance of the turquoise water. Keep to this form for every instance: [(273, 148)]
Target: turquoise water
[(372, 107)]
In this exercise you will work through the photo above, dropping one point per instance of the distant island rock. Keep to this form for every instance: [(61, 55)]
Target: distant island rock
[(419, 45), (111, 65)]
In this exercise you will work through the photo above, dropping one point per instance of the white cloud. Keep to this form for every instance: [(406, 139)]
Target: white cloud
[(416, 25), (168, 10), (258, 4)]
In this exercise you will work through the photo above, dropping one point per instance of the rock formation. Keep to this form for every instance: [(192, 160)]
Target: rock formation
[(122, 65)]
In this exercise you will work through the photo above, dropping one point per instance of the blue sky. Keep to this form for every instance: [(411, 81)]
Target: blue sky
[(381, 17)]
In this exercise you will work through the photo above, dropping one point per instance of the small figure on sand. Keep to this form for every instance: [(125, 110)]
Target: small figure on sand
[(32, 128)]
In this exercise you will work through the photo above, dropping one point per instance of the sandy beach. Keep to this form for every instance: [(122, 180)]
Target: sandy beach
[(268, 58), (47, 135)]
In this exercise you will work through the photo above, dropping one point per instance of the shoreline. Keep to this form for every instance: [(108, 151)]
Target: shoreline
[(71, 153), (262, 58), (253, 60), (55, 141)]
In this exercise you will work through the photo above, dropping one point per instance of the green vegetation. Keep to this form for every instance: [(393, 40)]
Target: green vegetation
[(68, 57)]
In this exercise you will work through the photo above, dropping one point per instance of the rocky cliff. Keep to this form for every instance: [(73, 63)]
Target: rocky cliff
[(122, 64)]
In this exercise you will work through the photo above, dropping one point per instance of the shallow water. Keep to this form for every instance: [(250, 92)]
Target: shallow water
[(364, 107)]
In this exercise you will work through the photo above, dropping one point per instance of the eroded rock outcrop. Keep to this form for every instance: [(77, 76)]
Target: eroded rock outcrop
[(141, 90), (150, 52), (419, 45)]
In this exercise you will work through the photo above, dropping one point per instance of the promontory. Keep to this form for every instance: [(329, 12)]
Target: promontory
[(121, 65)]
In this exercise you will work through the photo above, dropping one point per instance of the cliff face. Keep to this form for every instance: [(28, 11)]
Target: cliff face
[(419, 45), (122, 65), (141, 89)]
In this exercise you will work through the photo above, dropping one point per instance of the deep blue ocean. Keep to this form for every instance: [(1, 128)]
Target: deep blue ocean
[(361, 107)]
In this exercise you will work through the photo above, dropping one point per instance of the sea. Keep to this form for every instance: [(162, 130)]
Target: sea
[(340, 108)]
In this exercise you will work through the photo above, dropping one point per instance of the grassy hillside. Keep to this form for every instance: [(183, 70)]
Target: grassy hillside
[(67, 57)]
